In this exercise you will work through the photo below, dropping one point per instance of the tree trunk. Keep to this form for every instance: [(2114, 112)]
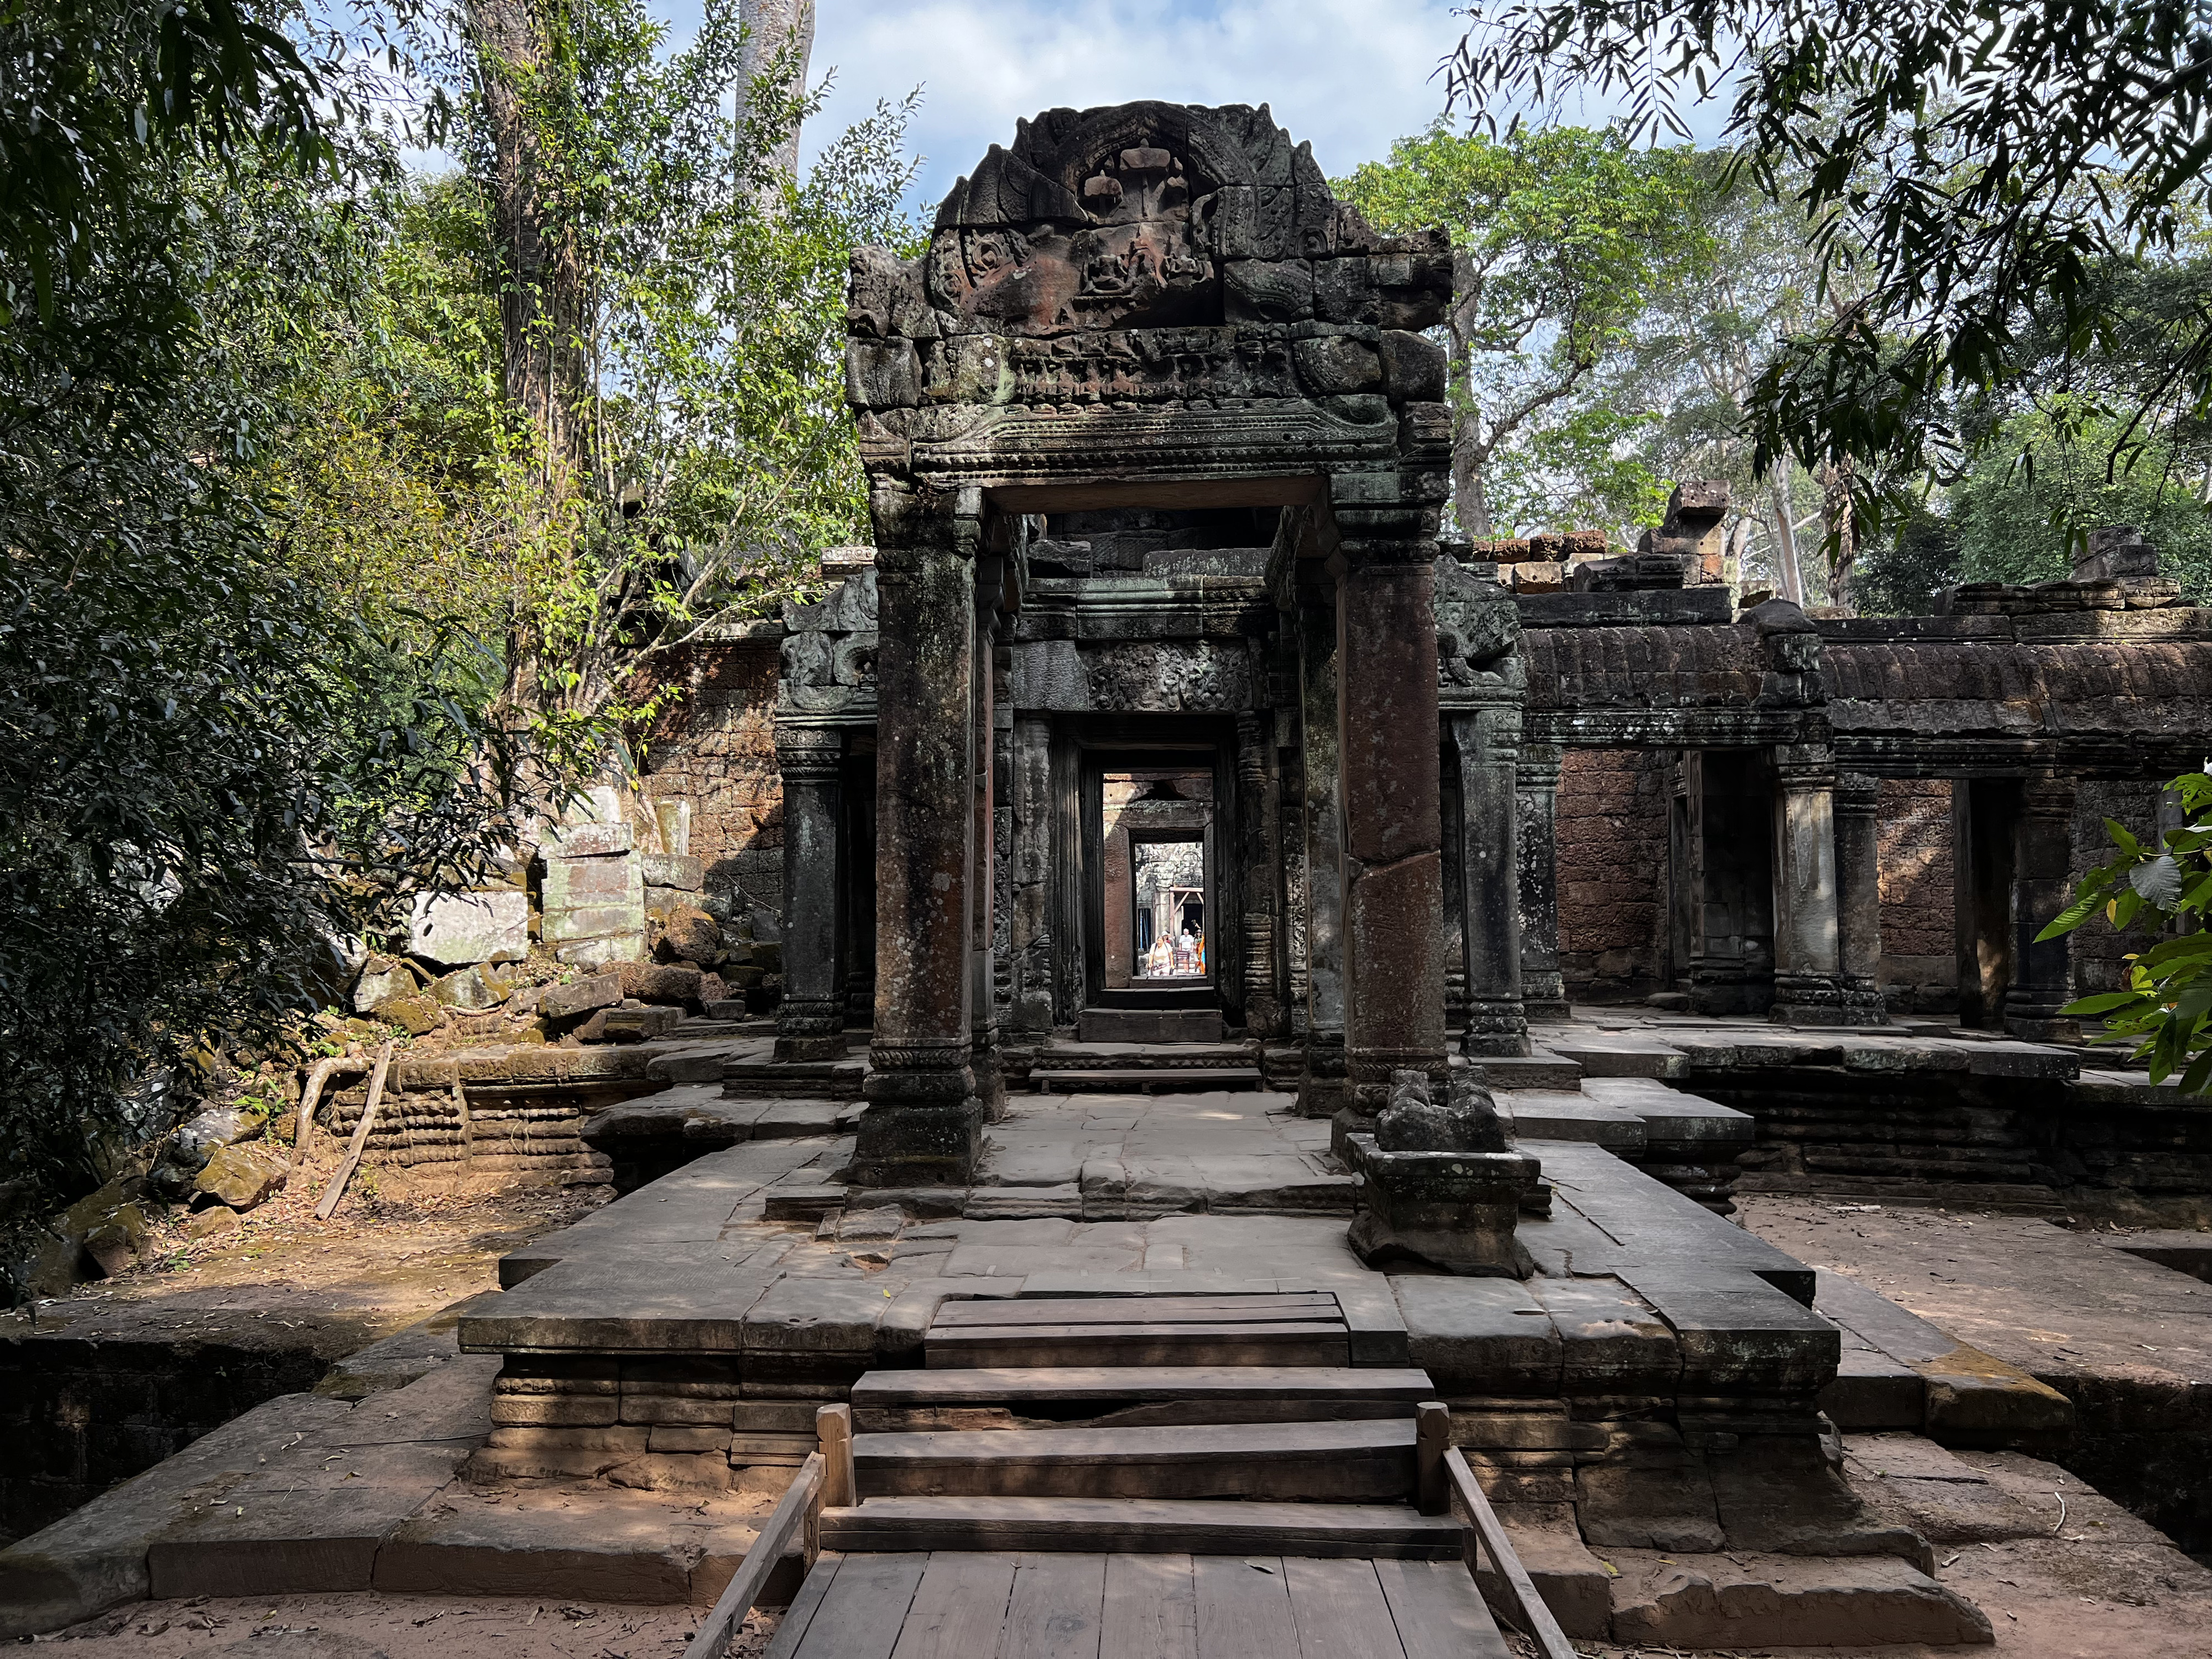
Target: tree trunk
[(770, 26), (541, 274), (1838, 518), (1792, 575)]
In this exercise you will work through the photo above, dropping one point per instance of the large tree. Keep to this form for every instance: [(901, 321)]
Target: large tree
[(1965, 165), (1557, 237)]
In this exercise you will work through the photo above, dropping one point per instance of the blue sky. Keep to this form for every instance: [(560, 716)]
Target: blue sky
[(1349, 74)]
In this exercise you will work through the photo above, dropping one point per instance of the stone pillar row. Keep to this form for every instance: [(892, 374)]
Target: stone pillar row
[(811, 1021)]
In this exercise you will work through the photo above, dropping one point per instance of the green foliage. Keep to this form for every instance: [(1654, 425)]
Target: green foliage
[(2022, 510), (1963, 168), (215, 764), (721, 458), (1559, 238), (2161, 892), (1900, 577)]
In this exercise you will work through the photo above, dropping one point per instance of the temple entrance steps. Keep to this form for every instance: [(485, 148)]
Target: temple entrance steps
[(1144, 1068), (1149, 1025), (1204, 1424)]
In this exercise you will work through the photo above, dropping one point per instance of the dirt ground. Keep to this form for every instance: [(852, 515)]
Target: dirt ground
[(396, 1627), (385, 1260), (2046, 1298)]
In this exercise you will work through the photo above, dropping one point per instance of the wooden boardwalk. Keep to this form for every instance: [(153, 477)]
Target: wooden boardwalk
[(964, 1606)]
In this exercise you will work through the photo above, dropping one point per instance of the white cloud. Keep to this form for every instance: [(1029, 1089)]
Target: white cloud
[(1348, 75)]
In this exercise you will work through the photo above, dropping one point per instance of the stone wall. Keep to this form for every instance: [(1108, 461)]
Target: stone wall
[(2097, 949), (715, 749), (1919, 969), (1612, 874)]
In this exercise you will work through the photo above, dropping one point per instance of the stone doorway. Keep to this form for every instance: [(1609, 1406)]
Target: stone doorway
[(1155, 877)]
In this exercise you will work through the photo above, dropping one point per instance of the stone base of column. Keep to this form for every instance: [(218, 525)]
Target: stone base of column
[(1321, 1089), (809, 1031), (1810, 999), (1730, 989), (1495, 1026), (2035, 1018), (912, 1145), (1543, 994), (924, 1126), (1864, 1000)]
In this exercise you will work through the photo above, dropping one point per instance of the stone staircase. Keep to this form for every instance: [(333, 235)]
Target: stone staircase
[(1144, 1068), (1207, 1425)]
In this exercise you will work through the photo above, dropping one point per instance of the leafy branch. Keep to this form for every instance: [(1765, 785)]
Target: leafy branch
[(2162, 888)]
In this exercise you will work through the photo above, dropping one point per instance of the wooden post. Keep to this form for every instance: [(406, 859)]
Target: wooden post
[(1431, 1440), (360, 1136), (841, 1487)]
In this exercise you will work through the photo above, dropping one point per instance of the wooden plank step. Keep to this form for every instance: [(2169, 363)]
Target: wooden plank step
[(1131, 1396), (1319, 1305), (1301, 1343), (1345, 1463), (1138, 1525)]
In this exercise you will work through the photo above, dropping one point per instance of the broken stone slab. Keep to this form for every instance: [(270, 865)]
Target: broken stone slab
[(95, 1557), (1781, 1600), (1738, 1334), (1612, 1340), (820, 1315), (1915, 1483), (382, 979), (684, 872), (472, 990), (1777, 1493), (582, 840), (1873, 1390), (1554, 1115), (458, 929)]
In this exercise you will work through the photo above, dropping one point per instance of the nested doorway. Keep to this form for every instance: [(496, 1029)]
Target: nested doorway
[(1154, 825)]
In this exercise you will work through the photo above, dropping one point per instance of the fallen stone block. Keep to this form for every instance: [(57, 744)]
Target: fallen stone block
[(458, 929), (242, 1176), (417, 1016), (580, 996), (654, 982), (1781, 1600)]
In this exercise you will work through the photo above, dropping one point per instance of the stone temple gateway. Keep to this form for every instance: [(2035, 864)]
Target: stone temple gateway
[(1156, 315)]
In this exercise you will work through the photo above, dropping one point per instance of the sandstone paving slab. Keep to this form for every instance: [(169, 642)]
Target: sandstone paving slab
[(575, 1543), (1968, 1397), (304, 1532), (95, 1557), (1023, 1203), (1671, 1114), (820, 1315), (1620, 1054), (1611, 1340), (1489, 1336), (1556, 1114), (669, 1302)]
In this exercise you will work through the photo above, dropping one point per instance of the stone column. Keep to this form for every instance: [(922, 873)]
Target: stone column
[(923, 1125), (1255, 815), (1536, 790), (1386, 724), (809, 1023), (990, 1083), (1487, 742), (1808, 956), (1321, 1089), (2042, 885), (1858, 895), (1029, 926)]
